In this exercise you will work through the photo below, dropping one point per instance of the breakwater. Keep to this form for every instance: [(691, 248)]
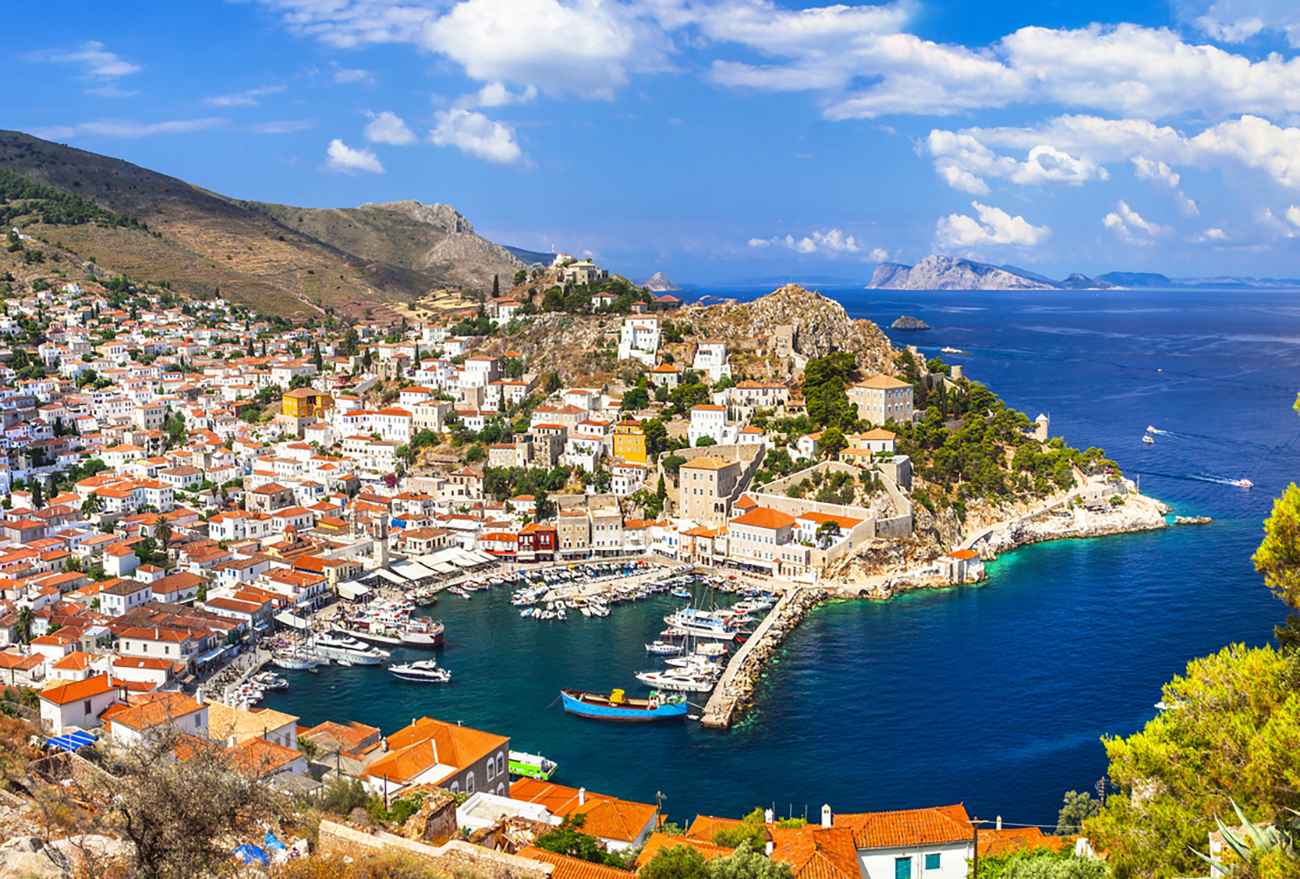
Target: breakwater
[(737, 682)]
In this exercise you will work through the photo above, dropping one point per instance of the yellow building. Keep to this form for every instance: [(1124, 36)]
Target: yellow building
[(306, 403), (629, 442)]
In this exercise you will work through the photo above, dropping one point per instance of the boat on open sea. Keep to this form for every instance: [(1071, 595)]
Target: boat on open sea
[(532, 766), (617, 707)]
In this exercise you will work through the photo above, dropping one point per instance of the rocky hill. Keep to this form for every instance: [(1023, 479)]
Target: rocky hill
[(583, 349), (951, 273), (202, 242), (433, 240), (660, 283)]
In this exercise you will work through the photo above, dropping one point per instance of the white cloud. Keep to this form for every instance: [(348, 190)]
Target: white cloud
[(1293, 215), (495, 94), (282, 126), (963, 161), (831, 242), (477, 135), (345, 75), (388, 127), (123, 128), (1162, 176), (111, 90), (1129, 227), (994, 226), (1235, 21), (243, 99), (1215, 234), (587, 47), (879, 254), (97, 61), (343, 158)]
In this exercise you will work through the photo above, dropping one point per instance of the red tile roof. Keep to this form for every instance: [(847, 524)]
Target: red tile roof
[(933, 826)]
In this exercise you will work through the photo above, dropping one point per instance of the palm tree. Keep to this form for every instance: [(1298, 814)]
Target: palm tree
[(26, 616), (163, 531)]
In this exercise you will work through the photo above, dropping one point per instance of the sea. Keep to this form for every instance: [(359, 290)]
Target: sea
[(998, 696)]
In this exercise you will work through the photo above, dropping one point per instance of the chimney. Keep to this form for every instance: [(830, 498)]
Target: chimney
[(999, 822), (826, 816), (767, 846), (768, 816), (582, 796), (231, 742), (198, 695)]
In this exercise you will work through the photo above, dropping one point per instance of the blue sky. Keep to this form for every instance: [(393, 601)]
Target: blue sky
[(716, 139)]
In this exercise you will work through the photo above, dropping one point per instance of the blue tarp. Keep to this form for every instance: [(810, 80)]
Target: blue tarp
[(271, 843), (399, 523), (250, 853), (72, 741)]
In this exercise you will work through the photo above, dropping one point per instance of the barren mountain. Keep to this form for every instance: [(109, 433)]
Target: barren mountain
[(202, 242), (950, 273)]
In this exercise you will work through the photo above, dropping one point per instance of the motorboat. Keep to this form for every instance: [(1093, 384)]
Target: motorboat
[(269, 680), (701, 624), (1245, 483), (676, 681), (1146, 438), (663, 648), (424, 671), (532, 766), (347, 650)]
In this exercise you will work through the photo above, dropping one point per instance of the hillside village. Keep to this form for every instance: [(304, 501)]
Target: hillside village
[(183, 478)]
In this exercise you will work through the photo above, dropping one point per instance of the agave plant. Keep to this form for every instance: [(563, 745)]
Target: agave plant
[(1251, 843)]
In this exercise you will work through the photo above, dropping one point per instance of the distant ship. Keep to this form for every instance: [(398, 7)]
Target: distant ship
[(948, 350)]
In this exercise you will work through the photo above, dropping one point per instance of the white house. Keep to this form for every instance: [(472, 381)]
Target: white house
[(711, 357), (639, 338), (78, 703), (710, 421)]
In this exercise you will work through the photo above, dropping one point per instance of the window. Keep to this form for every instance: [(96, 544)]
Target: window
[(932, 861), (902, 868), (491, 770), (469, 782)]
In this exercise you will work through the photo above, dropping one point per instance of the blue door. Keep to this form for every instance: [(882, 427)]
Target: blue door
[(902, 868)]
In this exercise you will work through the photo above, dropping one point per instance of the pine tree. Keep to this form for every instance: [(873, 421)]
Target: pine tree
[(496, 286), (38, 494), (316, 359), (251, 353)]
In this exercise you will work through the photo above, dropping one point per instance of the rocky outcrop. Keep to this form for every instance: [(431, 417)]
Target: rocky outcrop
[(660, 283), (909, 323), (951, 273), (28, 857), (1192, 520)]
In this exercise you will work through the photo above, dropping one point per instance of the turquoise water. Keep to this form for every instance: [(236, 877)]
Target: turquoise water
[(996, 696)]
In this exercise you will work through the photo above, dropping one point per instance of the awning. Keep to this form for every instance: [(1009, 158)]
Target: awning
[(293, 621), (412, 570), (391, 577), (444, 568), (353, 591), (210, 655)]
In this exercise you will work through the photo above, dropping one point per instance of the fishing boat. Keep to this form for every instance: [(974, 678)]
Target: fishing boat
[(617, 707), (424, 671), (532, 766), (269, 680), (682, 681), (663, 648), (456, 590), (682, 593)]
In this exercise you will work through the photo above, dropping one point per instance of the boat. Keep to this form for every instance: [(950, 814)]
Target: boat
[(1245, 483), (1146, 438), (297, 661), (269, 680), (347, 650), (532, 766), (456, 590), (422, 633), (701, 624), (676, 681), (1151, 428), (948, 349), (663, 648), (424, 671), (618, 708), (682, 593)]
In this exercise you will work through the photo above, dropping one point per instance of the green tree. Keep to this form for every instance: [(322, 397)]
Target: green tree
[(316, 359), (687, 396), (1278, 556), (656, 435), (38, 494), (521, 276), (1078, 807), (26, 616), (832, 442), (750, 829), (496, 286), (635, 399), (675, 862), (749, 862), (661, 491), (551, 382), (351, 341), (1041, 863), (1228, 734), (705, 441)]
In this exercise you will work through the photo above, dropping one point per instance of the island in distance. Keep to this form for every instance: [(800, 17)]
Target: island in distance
[(659, 283), (954, 273), (907, 322)]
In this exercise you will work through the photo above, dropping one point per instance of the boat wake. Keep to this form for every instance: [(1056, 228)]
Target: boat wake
[(1195, 477)]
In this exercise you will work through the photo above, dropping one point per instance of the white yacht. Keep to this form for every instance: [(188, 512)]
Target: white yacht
[(342, 647), (423, 670)]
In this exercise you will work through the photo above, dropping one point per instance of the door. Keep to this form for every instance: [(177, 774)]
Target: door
[(902, 868)]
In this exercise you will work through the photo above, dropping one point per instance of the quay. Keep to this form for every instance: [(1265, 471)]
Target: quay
[(737, 681)]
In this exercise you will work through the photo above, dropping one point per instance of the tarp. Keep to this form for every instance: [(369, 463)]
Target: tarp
[(210, 655), (250, 853), (72, 741), (353, 590), (293, 621)]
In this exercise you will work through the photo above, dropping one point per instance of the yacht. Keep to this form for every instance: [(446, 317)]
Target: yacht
[(701, 624), (424, 670), (343, 648), (676, 681)]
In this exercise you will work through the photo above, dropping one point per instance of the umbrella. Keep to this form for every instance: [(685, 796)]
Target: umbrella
[(250, 853)]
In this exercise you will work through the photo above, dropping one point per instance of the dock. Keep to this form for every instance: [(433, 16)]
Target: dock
[(737, 681)]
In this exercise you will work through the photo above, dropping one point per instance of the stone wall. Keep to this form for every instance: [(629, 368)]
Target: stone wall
[(446, 859)]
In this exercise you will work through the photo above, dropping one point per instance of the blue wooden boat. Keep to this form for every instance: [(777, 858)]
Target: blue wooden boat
[(617, 707)]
